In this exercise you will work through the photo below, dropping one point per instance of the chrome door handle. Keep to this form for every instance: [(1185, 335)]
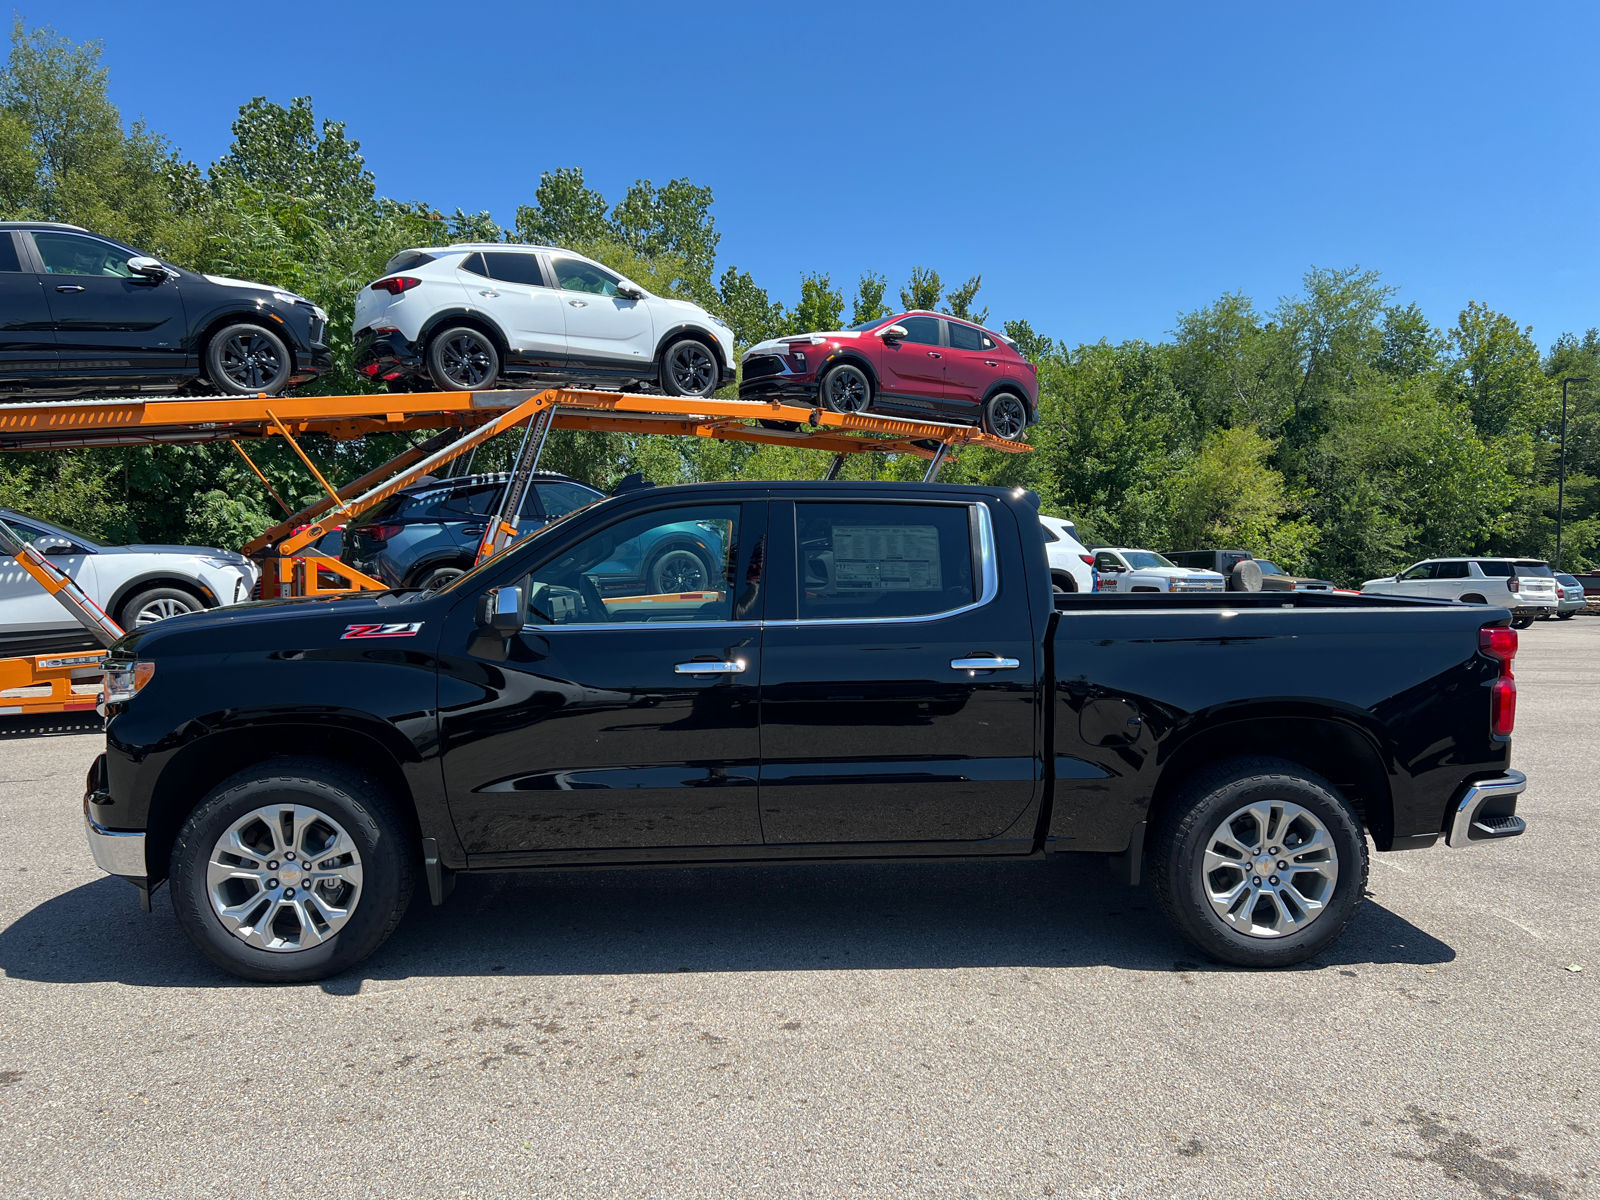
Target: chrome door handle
[(989, 362), (710, 668), (491, 295), (69, 287), (934, 354), (990, 663), (578, 303)]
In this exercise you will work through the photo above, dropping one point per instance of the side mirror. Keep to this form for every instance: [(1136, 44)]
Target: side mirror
[(628, 292), (500, 612), (894, 333), (58, 547), (150, 268)]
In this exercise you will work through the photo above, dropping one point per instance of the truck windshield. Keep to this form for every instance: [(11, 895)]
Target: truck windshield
[(1144, 560)]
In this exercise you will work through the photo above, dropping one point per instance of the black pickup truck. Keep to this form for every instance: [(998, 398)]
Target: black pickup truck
[(861, 671)]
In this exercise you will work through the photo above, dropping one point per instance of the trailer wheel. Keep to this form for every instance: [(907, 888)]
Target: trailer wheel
[(463, 359), (157, 604), (247, 360), (1259, 862), (292, 870)]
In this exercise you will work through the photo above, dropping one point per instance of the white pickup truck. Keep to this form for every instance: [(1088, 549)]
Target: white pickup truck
[(1527, 586), (1123, 570)]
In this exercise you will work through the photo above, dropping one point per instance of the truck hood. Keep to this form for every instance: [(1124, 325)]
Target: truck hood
[(372, 606)]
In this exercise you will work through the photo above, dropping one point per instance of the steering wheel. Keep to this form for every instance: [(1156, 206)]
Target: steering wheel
[(589, 593)]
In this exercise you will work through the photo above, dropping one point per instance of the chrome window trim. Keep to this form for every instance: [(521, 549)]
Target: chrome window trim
[(599, 628)]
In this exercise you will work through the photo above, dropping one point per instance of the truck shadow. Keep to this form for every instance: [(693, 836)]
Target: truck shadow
[(877, 916)]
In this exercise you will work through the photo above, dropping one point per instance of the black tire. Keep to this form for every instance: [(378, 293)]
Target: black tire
[(845, 389), (1565, 616), (1005, 416), (383, 849), (1197, 818), (780, 426), (437, 577), (248, 360), (1063, 583), (156, 604), (463, 359), (689, 368), (1245, 576), (1523, 620), (680, 569)]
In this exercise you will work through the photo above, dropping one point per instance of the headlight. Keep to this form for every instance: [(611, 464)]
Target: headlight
[(124, 680)]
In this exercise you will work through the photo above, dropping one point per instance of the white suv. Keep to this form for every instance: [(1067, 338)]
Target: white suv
[(476, 316), (1124, 570), (136, 585), (1527, 586), (1070, 569)]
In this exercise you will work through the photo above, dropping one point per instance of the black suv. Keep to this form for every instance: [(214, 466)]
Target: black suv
[(428, 533), (88, 314)]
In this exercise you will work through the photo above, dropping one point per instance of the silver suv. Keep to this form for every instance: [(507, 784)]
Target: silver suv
[(1527, 586)]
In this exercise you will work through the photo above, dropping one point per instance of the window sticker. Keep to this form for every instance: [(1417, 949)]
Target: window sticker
[(887, 558)]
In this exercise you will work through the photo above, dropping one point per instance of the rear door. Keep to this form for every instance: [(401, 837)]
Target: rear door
[(914, 365), (109, 322), (27, 338), (1450, 580), (512, 288), (969, 369), (899, 697)]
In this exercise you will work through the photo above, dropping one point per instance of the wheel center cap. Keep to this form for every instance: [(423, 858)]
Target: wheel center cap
[(290, 872), (1264, 865)]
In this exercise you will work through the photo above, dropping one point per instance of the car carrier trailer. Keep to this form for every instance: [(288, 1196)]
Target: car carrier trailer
[(459, 422)]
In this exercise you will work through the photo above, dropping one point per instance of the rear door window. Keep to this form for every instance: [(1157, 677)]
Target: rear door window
[(964, 337), (1451, 570), (515, 268), (883, 560), (8, 253)]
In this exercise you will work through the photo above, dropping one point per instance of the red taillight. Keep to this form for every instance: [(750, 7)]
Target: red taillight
[(369, 369), (382, 533), (1088, 559), (396, 285), (1513, 584), (1500, 642)]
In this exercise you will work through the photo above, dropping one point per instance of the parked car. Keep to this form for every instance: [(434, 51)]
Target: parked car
[(1235, 566), (1525, 585), (1121, 569), (1572, 596), (135, 585), (1071, 564), (428, 533), (294, 770), (914, 364), (88, 314), (475, 316)]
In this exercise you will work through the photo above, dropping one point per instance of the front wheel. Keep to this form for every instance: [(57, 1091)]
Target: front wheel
[(1005, 416), (292, 870), (463, 360), (157, 604), (680, 570), (1260, 863), (688, 369), (845, 389), (248, 360)]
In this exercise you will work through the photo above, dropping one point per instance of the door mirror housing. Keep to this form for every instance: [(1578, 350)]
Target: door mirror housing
[(57, 546), (150, 268), (500, 612), (629, 292), (894, 333)]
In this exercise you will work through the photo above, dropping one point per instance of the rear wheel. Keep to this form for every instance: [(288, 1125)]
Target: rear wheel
[(689, 369), (292, 870), (157, 604), (1566, 616), (1005, 416), (435, 579), (463, 359), (680, 570), (845, 389), (1260, 862), (247, 360), (1523, 618)]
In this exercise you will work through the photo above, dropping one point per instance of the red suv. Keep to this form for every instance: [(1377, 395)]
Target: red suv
[(917, 364)]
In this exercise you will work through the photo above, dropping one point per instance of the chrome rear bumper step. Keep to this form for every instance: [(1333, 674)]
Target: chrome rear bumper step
[(1487, 811)]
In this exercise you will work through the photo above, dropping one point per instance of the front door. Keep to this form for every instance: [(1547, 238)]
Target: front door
[(109, 322), (27, 340), (899, 710), (624, 716), (25, 607), (511, 287), (913, 366), (603, 326)]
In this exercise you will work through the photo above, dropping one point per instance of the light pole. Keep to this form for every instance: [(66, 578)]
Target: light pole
[(1561, 479)]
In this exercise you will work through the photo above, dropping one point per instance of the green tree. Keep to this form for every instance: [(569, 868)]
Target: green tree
[(821, 305), (869, 305), (751, 315), (1497, 371), (565, 211), (959, 302), (671, 220), (923, 291)]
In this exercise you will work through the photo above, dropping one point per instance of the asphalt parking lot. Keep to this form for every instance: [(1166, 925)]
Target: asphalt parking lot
[(939, 1030)]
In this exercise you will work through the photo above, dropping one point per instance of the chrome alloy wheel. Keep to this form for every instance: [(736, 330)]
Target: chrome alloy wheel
[(693, 371), (284, 877), (1269, 869), (160, 610), (251, 360), (466, 361), (847, 391)]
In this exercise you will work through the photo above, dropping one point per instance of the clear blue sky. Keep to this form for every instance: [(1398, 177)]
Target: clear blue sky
[(1104, 166)]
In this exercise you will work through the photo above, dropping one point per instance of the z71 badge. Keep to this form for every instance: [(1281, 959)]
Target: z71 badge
[(394, 629)]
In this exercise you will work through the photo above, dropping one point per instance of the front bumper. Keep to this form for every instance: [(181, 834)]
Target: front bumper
[(798, 390), (116, 851), (1486, 811)]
